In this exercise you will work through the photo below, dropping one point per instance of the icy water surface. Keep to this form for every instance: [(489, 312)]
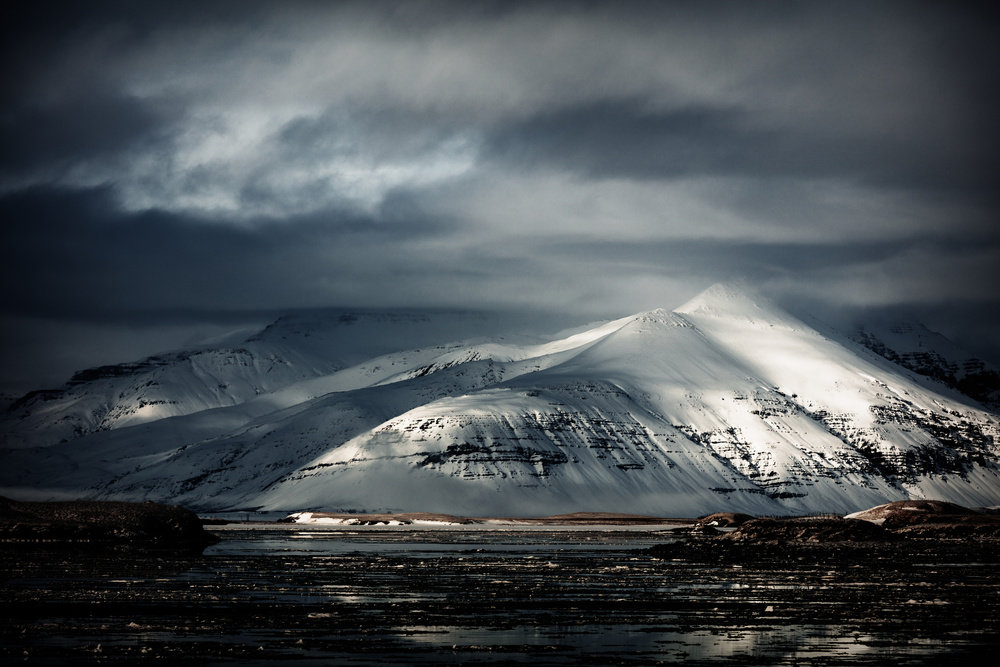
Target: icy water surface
[(309, 596)]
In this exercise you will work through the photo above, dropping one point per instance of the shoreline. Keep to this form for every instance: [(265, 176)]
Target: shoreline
[(155, 525), (277, 526), (434, 520)]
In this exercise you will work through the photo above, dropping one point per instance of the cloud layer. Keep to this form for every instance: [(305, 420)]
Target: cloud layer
[(207, 162)]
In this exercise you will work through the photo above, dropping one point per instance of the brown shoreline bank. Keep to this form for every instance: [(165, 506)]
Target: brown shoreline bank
[(156, 525), (919, 519)]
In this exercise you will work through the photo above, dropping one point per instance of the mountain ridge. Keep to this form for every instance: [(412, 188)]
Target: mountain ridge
[(727, 402)]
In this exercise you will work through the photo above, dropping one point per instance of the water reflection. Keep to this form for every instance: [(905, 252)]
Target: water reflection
[(785, 645), (457, 597), (428, 542)]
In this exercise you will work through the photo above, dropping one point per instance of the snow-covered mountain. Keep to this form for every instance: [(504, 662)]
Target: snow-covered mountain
[(726, 403), (914, 346), (293, 348)]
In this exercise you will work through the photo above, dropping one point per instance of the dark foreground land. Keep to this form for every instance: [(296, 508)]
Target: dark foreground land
[(279, 594), (104, 523)]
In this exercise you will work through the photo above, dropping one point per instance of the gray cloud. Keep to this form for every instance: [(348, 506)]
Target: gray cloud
[(193, 166), (72, 252)]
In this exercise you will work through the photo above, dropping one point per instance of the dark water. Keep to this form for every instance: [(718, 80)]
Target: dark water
[(535, 597)]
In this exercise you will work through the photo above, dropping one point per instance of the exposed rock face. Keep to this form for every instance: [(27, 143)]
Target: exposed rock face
[(119, 523), (913, 346)]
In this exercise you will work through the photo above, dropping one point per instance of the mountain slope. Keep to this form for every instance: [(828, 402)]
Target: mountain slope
[(725, 403), (913, 346), (293, 348), (664, 414)]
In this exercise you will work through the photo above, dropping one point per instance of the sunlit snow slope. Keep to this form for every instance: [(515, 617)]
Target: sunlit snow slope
[(294, 348), (726, 403)]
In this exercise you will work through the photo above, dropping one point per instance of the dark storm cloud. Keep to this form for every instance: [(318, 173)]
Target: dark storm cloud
[(88, 124), (620, 138), (73, 253), (894, 95), (191, 163), (625, 139)]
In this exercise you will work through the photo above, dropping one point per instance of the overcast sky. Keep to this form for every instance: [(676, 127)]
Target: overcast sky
[(171, 170)]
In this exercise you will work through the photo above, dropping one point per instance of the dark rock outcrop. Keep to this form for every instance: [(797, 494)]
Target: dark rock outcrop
[(904, 512), (808, 529), (146, 524), (933, 519)]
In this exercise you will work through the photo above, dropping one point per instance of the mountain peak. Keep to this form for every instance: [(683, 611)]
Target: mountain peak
[(727, 298)]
